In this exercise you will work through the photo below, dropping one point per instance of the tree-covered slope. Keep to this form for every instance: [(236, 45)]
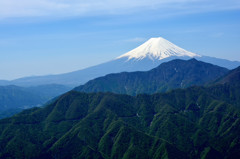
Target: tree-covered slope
[(227, 88), (233, 77), (188, 123), (167, 76)]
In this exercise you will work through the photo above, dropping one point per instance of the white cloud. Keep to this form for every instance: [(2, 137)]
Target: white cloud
[(32, 8)]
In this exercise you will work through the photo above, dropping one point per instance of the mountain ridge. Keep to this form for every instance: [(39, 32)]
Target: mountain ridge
[(169, 75)]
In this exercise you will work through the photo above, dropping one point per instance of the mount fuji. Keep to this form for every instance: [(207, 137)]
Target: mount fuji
[(145, 57), (157, 49)]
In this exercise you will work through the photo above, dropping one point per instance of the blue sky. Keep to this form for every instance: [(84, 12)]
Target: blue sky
[(40, 37)]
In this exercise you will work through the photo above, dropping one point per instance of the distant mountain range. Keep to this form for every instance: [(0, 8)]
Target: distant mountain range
[(194, 123), (145, 57), (14, 99), (165, 77)]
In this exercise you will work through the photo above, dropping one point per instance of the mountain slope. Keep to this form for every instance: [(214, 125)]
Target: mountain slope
[(147, 56), (82, 126), (167, 76), (227, 88), (188, 123), (233, 77)]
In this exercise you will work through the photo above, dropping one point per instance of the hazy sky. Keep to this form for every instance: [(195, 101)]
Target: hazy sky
[(39, 37)]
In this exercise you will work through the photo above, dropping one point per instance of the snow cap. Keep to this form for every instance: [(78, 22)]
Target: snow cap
[(156, 49)]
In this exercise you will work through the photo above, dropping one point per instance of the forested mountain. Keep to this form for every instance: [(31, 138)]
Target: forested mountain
[(165, 77), (184, 123)]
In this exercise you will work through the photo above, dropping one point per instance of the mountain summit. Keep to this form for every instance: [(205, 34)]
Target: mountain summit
[(157, 49)]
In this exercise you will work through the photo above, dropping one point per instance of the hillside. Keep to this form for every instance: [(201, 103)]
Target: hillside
[(233, 77), (190, 123), (227, 88)]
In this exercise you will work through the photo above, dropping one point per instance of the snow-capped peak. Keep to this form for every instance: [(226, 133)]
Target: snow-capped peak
[(156, 48)]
